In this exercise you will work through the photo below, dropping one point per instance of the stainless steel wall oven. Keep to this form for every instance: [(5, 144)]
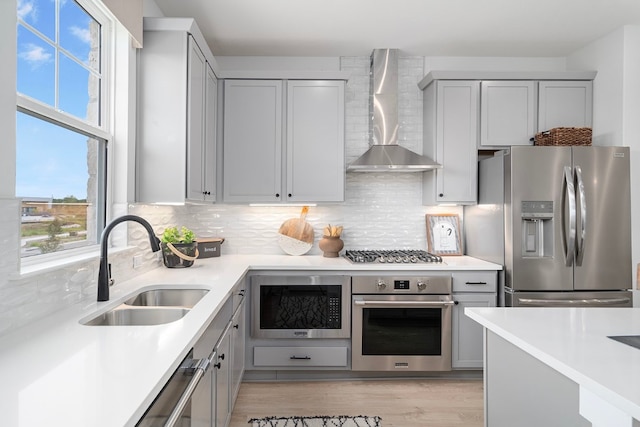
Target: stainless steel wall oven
[(300, 306), (401, 323)]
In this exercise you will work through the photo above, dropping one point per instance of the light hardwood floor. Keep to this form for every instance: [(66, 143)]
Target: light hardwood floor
[(400, 403)]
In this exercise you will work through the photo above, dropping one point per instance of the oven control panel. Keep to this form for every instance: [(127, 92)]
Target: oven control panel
[(433, 285), (402, 284)]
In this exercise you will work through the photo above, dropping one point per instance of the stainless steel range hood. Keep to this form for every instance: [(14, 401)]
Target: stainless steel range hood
[(385, 155)]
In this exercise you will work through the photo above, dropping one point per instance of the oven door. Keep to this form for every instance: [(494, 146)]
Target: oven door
[(401, 332)]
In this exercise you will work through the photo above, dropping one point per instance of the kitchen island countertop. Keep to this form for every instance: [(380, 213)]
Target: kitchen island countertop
[(573, 342), (58, 372)]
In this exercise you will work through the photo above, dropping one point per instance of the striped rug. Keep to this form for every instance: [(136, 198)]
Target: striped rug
[(318, 421)]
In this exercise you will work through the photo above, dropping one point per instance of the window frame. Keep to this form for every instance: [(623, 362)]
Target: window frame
[(103, 131)]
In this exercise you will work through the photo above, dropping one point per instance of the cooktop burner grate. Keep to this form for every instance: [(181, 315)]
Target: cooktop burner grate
[(391, 256)]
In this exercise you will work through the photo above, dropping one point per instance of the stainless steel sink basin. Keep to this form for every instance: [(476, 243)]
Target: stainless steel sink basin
[(167, 298), (129, 316)]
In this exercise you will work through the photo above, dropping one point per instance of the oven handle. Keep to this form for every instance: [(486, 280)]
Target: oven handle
[(405, 303)]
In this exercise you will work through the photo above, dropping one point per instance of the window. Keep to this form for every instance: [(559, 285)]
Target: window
[(62, 128)]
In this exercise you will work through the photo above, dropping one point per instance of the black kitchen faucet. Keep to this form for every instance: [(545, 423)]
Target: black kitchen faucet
[(104, 273)]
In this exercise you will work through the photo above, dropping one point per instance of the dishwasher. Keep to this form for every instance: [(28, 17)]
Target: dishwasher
[(186, 400)]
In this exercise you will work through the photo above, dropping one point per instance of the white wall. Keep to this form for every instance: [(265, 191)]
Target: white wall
[(616, 107), (442, 63)]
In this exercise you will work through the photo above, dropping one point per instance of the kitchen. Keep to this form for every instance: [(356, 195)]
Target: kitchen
[(363, 227)]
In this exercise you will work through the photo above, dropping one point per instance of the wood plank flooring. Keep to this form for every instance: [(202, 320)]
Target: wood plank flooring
[(400, 403)]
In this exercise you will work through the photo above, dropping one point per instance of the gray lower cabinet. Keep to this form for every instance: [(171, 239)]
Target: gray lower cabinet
[(238, 336), (215, 397), (300, 356), (470, 289), (222, 380)]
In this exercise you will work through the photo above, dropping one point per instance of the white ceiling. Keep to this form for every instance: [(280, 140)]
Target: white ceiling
[(417, 27)]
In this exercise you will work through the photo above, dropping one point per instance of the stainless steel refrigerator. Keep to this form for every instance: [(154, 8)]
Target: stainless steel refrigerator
[(559, 220)]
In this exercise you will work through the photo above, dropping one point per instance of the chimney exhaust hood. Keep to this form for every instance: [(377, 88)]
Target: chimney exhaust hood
[(384, 154)]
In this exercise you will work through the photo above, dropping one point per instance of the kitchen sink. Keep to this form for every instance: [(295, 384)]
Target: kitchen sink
[(128, 316), (167, 297), (150, 307)]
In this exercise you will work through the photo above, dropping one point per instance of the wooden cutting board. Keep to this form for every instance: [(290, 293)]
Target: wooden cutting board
[(298, 228)]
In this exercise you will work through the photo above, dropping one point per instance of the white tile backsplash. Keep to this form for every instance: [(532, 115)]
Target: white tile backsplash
[(381, 210)]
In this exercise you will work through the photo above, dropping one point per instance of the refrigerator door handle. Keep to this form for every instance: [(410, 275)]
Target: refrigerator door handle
[(580, 236), (570, 237)]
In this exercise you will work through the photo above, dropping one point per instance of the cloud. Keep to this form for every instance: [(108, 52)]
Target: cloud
[(35, 55), (82, 34), (26, 9)]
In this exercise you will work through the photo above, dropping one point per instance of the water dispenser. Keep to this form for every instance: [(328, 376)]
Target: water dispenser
[(537, 229)]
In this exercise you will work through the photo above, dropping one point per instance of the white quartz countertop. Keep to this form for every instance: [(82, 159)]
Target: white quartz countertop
[(574, 342), (59, 373)]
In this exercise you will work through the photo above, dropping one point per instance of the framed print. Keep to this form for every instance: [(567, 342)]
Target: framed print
[(443, 234)]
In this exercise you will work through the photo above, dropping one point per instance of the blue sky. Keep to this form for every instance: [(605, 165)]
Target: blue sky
[(52, 161)]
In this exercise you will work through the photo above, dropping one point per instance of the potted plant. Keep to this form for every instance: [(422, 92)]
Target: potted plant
[(179, 247)]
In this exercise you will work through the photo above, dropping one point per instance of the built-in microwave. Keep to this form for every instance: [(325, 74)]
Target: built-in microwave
[(317, 306)]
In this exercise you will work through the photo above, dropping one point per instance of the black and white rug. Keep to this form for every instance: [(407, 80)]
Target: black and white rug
[(317, 421)]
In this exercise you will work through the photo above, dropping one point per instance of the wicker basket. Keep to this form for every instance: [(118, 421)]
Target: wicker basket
[(564, 136)]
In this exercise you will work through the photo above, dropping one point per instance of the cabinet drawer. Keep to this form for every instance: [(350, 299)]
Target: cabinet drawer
[(476, 281), (300, 356)]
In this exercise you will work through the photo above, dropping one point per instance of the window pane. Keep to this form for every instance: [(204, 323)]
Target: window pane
[(36, 67), (56, 177), (79, 90), (80, 34), (40, 14)]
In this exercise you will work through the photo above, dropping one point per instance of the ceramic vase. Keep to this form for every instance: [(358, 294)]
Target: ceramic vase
[(331, 246)]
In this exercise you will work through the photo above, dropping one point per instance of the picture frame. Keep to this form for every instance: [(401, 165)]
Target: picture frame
[(443, 234)]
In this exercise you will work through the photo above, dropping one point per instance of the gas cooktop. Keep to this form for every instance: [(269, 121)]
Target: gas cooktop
[(403, 256)]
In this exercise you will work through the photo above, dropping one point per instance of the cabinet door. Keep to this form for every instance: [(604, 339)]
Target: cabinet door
[(196, 104), (565, 104), (162, 118), (252, 141), (467, 350), (222, 392), (238, 333), (507, 113), (451, 128), (210, 131), (315, 141)]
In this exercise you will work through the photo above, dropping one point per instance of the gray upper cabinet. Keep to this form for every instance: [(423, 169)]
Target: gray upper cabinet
[(507, 113), (450, 138), (283, 141), (513, 111), (176, 144), (252, 141), (201, 127), (564, 104)]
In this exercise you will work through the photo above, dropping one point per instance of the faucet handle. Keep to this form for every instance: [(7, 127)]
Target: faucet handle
[(109, 279)]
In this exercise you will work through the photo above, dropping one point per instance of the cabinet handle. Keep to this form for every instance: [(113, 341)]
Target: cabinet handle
[(277, 194), (236, 326), (300, 358), (222, 356), (289, 195), (476, 283), (441, 195), (217, 365)]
